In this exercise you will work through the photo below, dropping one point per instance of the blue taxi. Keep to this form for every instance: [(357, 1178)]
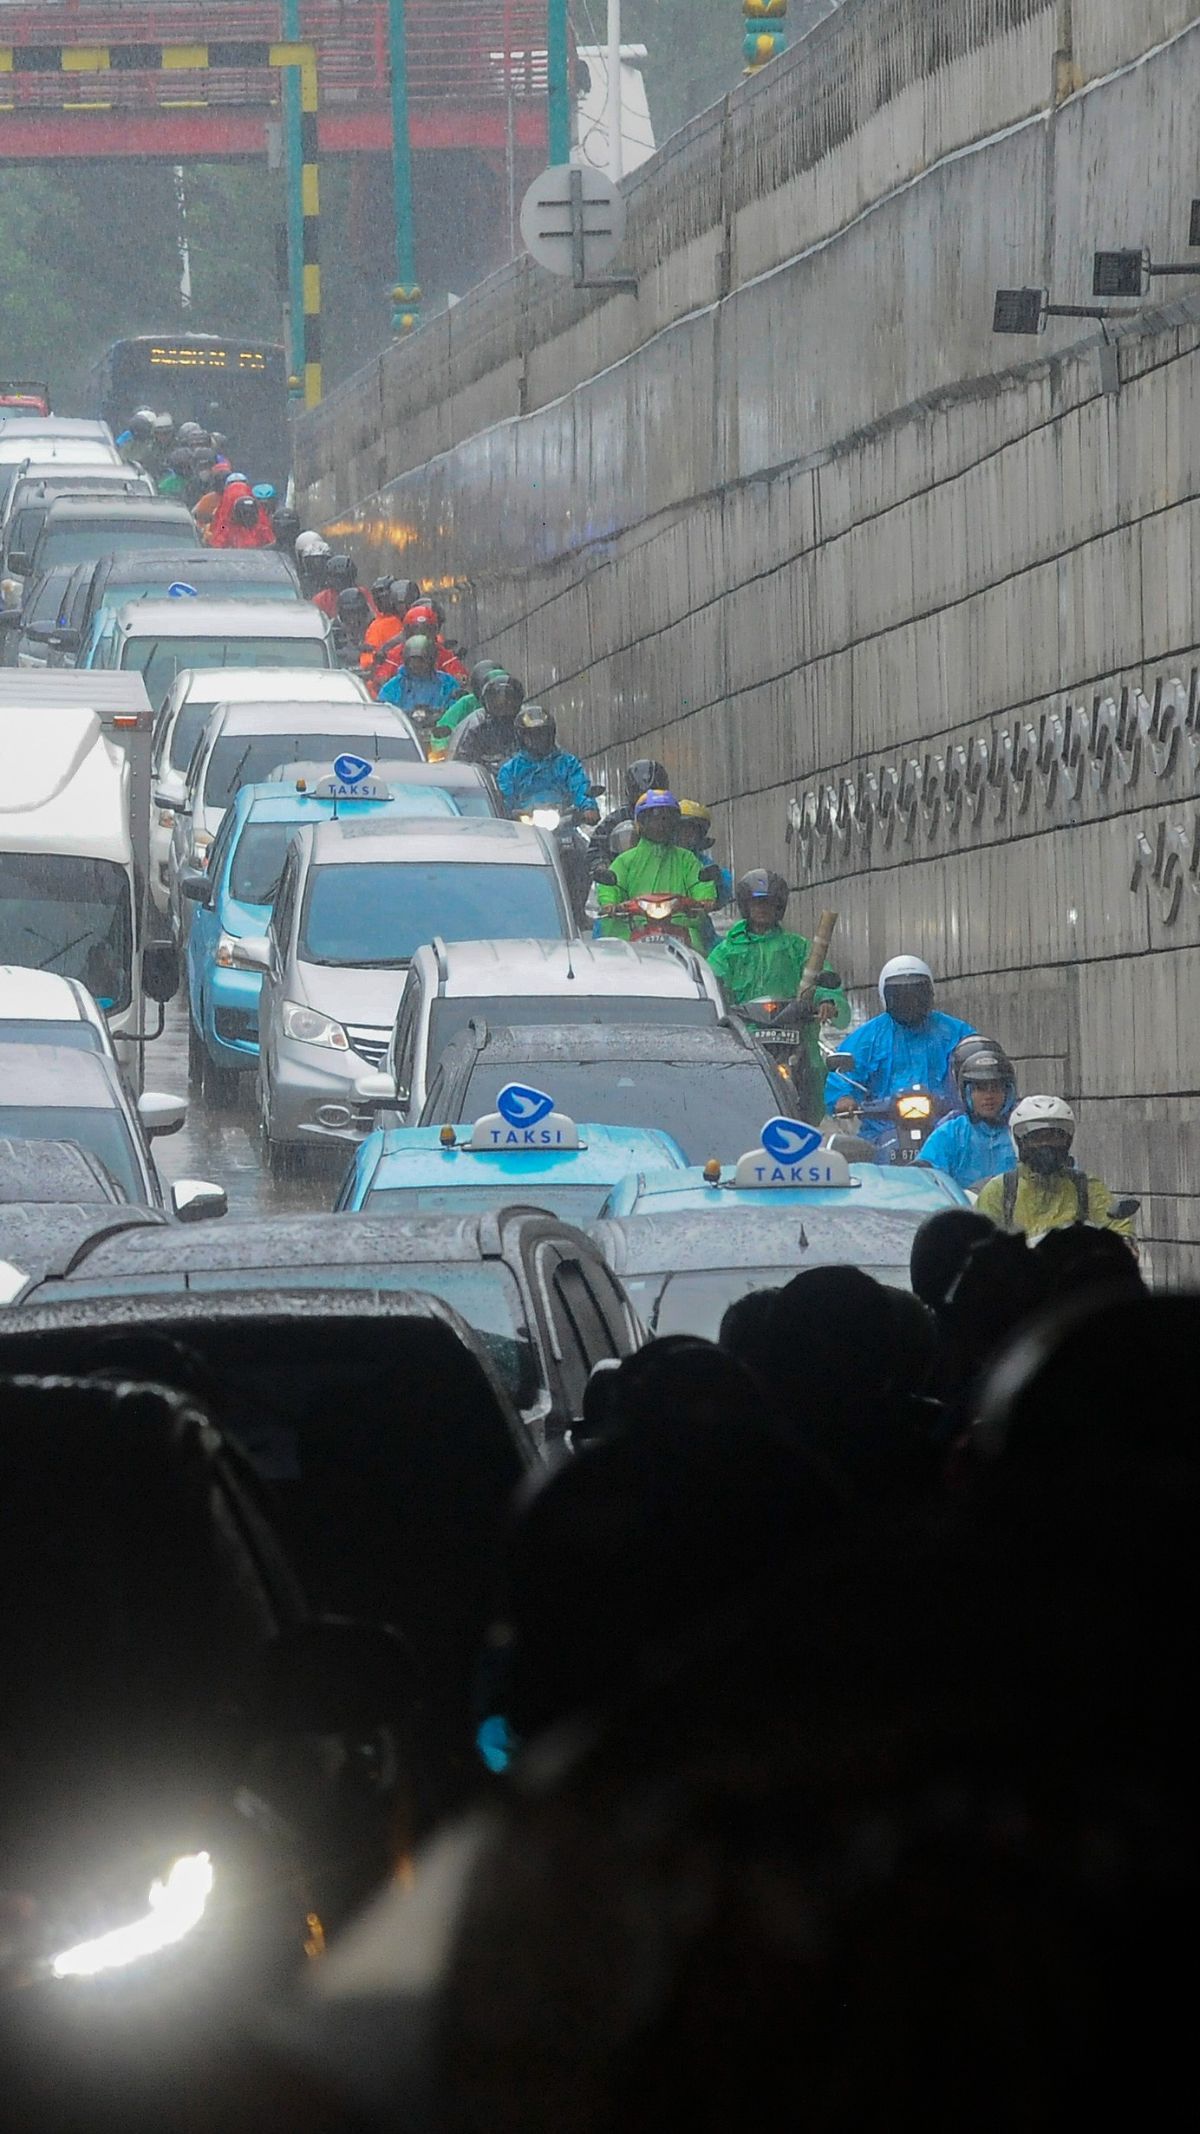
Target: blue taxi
[(687, 1243), (523, 1152), (234, 892)]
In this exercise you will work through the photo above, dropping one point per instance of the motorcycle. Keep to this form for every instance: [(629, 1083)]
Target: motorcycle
[(562, 824), (659, 916), (908, 1118)]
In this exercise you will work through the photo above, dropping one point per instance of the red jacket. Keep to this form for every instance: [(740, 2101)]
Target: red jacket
[(224, 531)]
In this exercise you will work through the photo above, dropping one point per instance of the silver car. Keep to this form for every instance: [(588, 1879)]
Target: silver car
[(355, 902)]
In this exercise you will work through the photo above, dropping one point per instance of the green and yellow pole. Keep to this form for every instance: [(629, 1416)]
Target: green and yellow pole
[(761, 40), (558, 96), (406, 295), (292, 160)]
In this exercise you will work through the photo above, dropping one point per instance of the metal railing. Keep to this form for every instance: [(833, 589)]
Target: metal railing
[(472, 51)]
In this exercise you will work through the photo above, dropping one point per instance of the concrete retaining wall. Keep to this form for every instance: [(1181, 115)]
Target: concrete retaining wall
[(924, 635)]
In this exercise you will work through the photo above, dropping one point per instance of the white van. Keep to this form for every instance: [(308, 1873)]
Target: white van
[(70, 886), (161, 637)]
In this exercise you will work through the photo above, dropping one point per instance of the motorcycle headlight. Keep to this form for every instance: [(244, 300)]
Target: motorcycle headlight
[(657, 907), (174, 1905), (545, 818), (309, 1027), (914, 1108)]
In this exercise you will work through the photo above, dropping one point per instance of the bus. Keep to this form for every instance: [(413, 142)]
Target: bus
[(221, 381)]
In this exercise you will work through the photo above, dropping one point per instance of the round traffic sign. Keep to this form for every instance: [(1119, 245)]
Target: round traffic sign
[(573, 220)]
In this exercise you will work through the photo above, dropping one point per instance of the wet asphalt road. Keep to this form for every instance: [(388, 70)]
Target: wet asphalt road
[(223, 1145)]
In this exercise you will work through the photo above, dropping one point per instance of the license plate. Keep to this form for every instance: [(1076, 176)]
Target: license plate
[(779, 1037)]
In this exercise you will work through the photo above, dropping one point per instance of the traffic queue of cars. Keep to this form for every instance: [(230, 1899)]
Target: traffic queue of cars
[(533, 1148)]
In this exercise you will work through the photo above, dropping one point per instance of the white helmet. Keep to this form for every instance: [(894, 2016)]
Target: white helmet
[(902, 967), (312, 544), (1033, 1113)]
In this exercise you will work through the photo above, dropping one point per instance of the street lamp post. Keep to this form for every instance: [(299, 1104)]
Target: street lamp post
[(406, 296)]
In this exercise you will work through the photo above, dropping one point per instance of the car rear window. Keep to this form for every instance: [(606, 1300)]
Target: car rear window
[(249, 759), (160, 659)]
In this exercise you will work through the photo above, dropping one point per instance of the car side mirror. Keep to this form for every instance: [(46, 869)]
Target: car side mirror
[(161, 1114), (336, 1676), (160, 970), (255, 952), (56, 635), (171, 791), (197, 1200), (379, 1088), (196, 885), (18, 563), (841, 1063), (10, 618)]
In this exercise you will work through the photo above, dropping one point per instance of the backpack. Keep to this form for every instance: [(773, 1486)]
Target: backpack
[(1012, 1181)]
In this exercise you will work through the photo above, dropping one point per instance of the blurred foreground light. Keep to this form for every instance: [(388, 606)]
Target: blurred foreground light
[(176, 1906)]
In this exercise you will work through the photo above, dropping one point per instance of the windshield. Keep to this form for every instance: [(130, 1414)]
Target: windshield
[(68, 1037), (258, 856), (711, 1108), (88, 542), (60, 913), (693, 1303), (160, 659), (249, 759), (576, 1204), (102, 1132), (377, 915), (150, 584), (449, 1017)]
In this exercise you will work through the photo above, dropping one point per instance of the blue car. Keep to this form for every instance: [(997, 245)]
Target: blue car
[(524, 1152), (234, 893), (833, 1183)]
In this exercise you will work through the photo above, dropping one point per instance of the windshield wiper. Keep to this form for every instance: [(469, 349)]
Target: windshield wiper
[(65, 949)]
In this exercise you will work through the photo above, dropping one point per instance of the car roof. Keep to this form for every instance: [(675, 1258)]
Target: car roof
[(878, 1185), (54, 1075), (606, 1153), (447, 773), (43, 996), (351, 715), (298, 1241), (74, 689), (266, 685), (256, 564), (768, 1235), (466, 839), (278, 802), (572, 968), (680, 1043), (90, 470), (222, 618), (52, 1173), (135, 509), (63, 426)]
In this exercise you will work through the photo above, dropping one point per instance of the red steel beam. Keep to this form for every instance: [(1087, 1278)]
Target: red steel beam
[(228, 131)]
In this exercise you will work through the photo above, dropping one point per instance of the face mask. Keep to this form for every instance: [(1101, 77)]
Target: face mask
[(1045, 1158)]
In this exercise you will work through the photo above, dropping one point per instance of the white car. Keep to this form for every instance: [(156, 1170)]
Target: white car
[(190, 703), (42, 1008)]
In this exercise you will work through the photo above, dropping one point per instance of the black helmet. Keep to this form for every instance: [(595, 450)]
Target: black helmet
[(286, 523), (180, 460), (245, 511), (482, 672), (760, 885), (980, 1059), (535, 722), (352, 608), (644, 776), (339, 573), (190, 433), (503, 695), (141, 425), (381, 589)]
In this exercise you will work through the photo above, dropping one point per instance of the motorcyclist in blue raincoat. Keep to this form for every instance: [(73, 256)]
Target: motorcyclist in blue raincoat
[(975, 1143), (909, 1044), (541, 774)]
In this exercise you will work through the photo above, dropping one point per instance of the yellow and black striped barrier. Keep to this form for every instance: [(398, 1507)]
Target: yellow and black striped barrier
[(244, 54)]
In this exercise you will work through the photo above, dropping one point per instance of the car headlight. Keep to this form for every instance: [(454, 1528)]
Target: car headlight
[(174, 1906), (229, 955), (309, 1027)]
